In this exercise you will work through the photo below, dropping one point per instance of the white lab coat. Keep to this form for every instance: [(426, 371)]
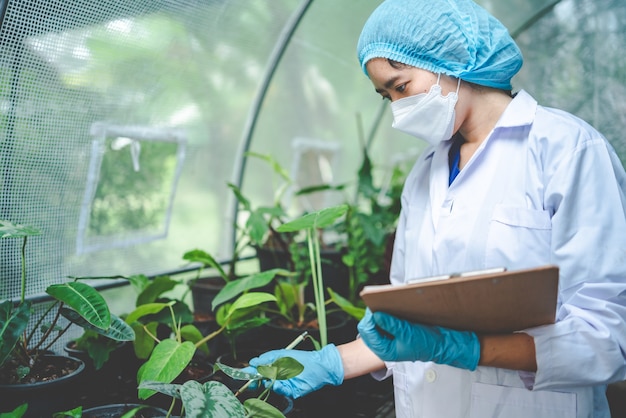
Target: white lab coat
[(544, 188)]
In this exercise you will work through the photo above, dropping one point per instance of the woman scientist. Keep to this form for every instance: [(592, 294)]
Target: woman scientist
[(506, 182)]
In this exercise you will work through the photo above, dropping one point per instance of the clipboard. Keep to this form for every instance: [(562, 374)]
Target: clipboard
[(490, 301)]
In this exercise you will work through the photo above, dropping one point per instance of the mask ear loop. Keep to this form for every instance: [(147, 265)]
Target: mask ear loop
[(458, 84)]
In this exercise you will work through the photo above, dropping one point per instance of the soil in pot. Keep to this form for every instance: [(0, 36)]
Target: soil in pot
[(45, 389)]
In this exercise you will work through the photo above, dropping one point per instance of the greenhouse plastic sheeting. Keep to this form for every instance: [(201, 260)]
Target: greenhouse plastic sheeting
[(123, 121)]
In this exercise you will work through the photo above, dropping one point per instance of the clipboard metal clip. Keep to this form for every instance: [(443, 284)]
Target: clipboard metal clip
[(454, 275)]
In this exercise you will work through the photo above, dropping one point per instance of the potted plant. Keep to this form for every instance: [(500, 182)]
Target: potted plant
[(22, 350), (215, 399), (171, 355), (291, 307)]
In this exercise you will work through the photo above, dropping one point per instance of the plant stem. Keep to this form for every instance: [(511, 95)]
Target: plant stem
[(38, 323), (318, 283), (55, 339), (211, 335), (23, 296)]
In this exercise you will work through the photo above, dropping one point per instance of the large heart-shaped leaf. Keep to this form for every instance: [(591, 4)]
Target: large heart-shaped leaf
[(254, 281), (282, 368), (213, 399), (118, 331), (13, 322), (85, 300), (319, 219), (168, 359), (260, 409)]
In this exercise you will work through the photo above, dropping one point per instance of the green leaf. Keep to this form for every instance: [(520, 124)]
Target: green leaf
[(85, 300), (237, 374), (154, 289), (248, 300), (16, 413), (168, 359), (10, 230), (181, 314), (72, 413), (282, 368), (132, 413), (236, 287), (319, 188), (319, 219), (278, 169), (143, 310), (346, 306), (13, 322), (240, 197), (144, 343), (200, 256), (139, 282), (169, 389), (191, 333), (242, 325), (213, 399), (260, 409), (257, 226), (118, 331)]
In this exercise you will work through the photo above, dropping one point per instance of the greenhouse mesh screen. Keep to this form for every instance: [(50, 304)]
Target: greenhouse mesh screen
[(109, 117)]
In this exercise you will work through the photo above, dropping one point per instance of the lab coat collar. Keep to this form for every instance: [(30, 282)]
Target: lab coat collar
[(520, 112)]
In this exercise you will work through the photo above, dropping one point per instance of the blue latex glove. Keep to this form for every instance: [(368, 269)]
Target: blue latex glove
[(321, 368), (394, 339)]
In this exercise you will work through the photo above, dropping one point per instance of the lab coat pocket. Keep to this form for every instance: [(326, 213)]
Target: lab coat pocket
[(518, 237), (402, 392), (508, 402)]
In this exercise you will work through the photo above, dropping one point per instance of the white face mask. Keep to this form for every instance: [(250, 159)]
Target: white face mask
[(428, 116)]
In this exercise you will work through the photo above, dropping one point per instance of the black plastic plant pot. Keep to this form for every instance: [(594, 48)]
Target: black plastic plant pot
[(117, 410), (203, 291), (44, 398)]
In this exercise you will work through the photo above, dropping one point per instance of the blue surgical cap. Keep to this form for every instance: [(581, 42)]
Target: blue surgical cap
[(453, 37)]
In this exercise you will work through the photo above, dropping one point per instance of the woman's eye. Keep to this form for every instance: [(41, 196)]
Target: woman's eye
[(401, 88)]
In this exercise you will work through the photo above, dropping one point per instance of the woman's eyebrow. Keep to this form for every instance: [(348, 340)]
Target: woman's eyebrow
[(388, 84)]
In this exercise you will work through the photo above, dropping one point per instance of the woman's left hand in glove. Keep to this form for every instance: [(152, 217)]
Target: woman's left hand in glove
[(394, 339)]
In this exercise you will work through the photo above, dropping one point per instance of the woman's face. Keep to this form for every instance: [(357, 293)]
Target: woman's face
[(395, 83)]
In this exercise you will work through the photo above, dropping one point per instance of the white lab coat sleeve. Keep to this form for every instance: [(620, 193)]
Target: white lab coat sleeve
[(587, 344)]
